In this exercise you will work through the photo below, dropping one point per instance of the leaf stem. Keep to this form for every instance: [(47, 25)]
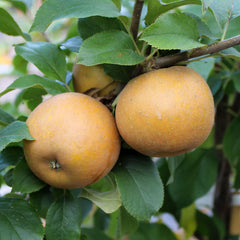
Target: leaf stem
[(131, 36), (68, 88)]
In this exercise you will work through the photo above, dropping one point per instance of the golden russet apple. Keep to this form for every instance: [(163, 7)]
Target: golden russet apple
[(165, 112), (92, 77), (76, 141)]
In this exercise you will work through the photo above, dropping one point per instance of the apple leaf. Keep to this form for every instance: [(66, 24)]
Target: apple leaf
[(156, 8), (92, 25), (172, 31), (23, 5), (116, 48), (210, 226), (14, 132), (149, 231), (63, 220), (231, 141), (139, 184), (19, 221), (9, 26), (73, 44), (93, 234), (188, 220), (5, 117), (126, 223), (236, 76), (24, 180), (203, 67), (52, 10), (10, 156), (41, 200), (53, 87), (233, 28), (46, 57), (173, 163), (196, 181), (108, 201), (221, 9)]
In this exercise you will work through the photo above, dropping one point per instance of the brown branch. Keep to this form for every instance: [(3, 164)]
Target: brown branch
[(170, 60), (137, 10)]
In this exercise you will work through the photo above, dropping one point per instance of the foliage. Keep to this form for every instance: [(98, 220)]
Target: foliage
[(138, 188)]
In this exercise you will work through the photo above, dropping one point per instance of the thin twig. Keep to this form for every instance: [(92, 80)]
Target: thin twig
[(137, 10), (170, 60)]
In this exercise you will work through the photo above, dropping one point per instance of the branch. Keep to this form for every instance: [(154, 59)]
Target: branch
[(170, 60), (136, 17)]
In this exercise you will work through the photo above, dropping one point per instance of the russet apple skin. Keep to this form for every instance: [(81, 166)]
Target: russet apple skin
[(76, 141), (165, 112), (92, 77)]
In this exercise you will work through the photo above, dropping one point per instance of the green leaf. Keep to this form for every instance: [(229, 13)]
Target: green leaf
[(93, 234), (10, 156), (52, 10), (203, 67), (5, 117), (14, 132), (126, 223), (23, 5), (152, 231), (73, 44), (156, 8), (108, 201), (31, 96), (63, 220), (173, 163), (85, 205), (24, 180), (211, 227), (230, 53), (92, 25), (20, 64), (117, 3), (139, 184), (221, 9), (233, 27), (236, 77), (215, 82), (8, 177), (46, 57), (51, 86), (188, 220), (8, 24), (19, 221), (101, 220), (196, 181), (172, 31), (203, 28), (118, 72), (116, 48), (41, 201), (236, 173), (231, 141), (236, 8)]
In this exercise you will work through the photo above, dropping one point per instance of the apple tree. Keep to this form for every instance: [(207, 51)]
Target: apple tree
[(142, 197)]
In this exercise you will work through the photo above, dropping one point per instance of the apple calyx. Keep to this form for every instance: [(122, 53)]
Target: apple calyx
[(53, 164)]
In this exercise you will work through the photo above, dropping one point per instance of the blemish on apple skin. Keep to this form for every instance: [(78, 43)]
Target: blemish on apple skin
[(143, 114), (159, 115)]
